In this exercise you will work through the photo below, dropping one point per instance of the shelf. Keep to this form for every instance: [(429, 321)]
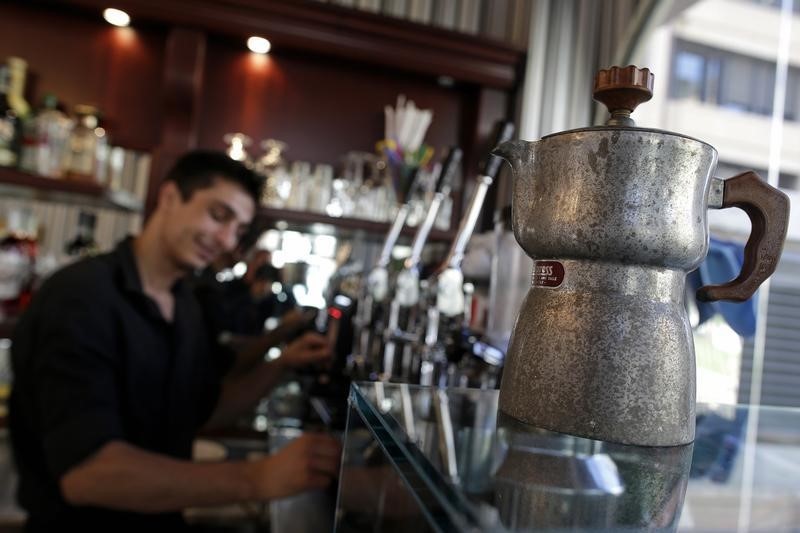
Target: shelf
[(17, 184), (326, 225)]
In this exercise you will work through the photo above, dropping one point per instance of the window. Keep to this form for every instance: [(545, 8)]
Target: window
[(730, 80), (790, 182), (689, 75), (791, 110), (777, 4), (725, 170)]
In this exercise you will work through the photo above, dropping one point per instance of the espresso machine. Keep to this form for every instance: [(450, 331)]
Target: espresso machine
[(445, 340), (399, 333), (428, 317), (614, 217), (374, 293)]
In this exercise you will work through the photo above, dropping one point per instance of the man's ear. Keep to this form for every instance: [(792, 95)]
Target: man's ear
[(168, 194)]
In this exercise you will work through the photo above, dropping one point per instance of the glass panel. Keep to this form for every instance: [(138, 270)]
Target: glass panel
[(488, 472), (378, 488)]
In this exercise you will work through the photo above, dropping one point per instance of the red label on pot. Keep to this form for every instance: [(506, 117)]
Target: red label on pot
[(547, 274)]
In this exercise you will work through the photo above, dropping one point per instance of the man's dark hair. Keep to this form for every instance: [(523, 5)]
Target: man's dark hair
[(197, 170)]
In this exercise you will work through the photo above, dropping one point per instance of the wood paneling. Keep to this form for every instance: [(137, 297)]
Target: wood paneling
[(184, 65), (337, 31), (81, 59), (321, 107)]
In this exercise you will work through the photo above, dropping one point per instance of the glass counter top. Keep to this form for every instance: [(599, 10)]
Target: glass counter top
[(424, 459)]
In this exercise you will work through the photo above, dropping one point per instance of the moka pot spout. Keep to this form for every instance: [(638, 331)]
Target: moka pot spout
[(518, 153)]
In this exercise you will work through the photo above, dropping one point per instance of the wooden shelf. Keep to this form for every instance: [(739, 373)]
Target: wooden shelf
[(18, 184), (327, 225)]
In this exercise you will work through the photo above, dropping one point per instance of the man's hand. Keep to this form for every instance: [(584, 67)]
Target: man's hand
[(309, 462), (297, 318), (310, 348)]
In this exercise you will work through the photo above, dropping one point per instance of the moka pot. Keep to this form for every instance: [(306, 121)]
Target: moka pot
[(615, 218)]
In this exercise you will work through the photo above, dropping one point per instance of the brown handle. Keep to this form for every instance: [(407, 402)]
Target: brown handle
[(768, 209)]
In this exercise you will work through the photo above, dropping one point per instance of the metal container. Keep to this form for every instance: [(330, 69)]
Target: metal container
[(614, 218)]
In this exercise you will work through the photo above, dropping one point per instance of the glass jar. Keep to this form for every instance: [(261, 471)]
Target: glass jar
[(88, 145), (46, 140), (9, 123)]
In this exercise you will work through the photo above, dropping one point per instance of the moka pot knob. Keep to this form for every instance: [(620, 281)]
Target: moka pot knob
[(621, 90)]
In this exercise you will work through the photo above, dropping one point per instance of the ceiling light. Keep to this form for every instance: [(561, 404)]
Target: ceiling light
[(117, 17), (259, 45)]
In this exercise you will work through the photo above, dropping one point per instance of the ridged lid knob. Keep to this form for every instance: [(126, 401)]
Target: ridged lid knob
[(621, 90)]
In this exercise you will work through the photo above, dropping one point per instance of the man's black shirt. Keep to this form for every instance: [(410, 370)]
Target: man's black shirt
[(95, 361)]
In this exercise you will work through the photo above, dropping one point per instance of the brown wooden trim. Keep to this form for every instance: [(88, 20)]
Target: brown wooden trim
[(340, 32), (183, 85), (182, 90)]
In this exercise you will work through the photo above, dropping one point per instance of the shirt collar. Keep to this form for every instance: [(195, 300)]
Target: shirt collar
[(129, 271)]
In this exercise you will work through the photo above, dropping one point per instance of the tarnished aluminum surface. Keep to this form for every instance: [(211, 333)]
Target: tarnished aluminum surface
[(716, 195), (607, 355), (633, 196), (614, 219)]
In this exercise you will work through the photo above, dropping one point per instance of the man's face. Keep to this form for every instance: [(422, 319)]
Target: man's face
[(206, 225)]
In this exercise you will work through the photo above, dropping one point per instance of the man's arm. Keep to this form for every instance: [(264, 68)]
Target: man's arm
[(122, 476), (241, 391)]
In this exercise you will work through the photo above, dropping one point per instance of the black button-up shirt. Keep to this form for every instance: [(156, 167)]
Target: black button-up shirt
[(94, 360)]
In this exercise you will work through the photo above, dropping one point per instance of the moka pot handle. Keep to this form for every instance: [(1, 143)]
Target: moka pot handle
[(768, 210)]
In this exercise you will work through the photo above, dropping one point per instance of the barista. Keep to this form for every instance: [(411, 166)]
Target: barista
[(115, 372)]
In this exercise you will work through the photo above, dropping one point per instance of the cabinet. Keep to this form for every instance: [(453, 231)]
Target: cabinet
[(180, 77)]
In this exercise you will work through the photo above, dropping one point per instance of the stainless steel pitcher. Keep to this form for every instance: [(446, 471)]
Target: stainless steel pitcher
[(614, 218)]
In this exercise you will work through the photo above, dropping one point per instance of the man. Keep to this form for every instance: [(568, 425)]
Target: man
[(115, 372)]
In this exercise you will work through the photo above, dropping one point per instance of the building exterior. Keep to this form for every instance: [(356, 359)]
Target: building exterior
[(716, 64)]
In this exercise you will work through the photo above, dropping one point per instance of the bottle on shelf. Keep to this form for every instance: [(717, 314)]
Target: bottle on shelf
[(273, 166), (237, 147), (83, 244), (18, 250), (9, 123), (88, 146), (46, 140), (17, 68)]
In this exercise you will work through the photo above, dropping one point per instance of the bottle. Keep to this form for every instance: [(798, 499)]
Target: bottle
[(272, 166), (237, 147), (18, 250), (86, 142), (45, 140), (17, 68), (83, 244), (9, 123)]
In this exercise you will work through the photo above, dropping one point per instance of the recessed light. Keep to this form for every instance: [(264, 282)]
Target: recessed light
[(259, 45), (117, 17)]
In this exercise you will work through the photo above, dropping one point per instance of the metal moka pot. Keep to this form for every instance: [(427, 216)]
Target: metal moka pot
[(615, 217)]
